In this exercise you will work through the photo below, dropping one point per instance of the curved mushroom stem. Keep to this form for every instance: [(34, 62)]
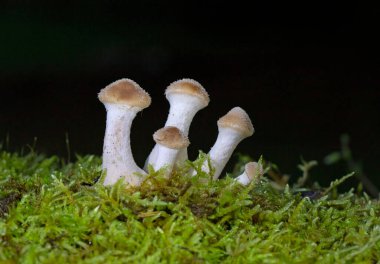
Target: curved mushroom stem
[(222, 150), (117, 154), (186, 97), (252, 172), (182, 111), (233, 128)]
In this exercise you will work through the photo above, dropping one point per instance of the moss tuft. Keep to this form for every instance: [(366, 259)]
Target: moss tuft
[(55, 212)]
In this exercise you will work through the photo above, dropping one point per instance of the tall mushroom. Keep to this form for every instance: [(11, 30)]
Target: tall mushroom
[(233, 128), (170, 140), (122, 100), (252, 171), (186, 97)]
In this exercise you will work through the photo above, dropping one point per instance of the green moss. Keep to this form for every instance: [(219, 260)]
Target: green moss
[(56, 213)]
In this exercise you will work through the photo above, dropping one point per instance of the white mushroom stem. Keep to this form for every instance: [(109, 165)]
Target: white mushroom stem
[(182, 111), (122, 100), (170, 141), (166, 158), (233, 128), (186, 98), (252, 172), (222, 150), (117, 154)]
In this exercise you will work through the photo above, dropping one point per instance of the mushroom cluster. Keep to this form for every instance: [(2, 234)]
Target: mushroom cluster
[(124, 98)]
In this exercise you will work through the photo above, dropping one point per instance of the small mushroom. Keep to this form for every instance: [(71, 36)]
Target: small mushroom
[(170, 141), (252, 172), (233, 128), (123, 99), (186, 97)]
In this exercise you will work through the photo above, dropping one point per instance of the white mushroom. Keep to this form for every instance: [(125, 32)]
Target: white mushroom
[(233, 128), (122, 100), (186, 98), (252, 172), (170, 140)]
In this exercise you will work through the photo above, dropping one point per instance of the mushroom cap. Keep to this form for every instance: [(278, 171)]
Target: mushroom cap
[(252, 168), (189, 87), (239, 120), (125, 92), (171, 137)]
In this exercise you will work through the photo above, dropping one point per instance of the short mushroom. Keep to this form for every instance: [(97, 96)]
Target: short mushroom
[(252, 172), (170, 140), (122, 100), (186, 98), (233, 128)]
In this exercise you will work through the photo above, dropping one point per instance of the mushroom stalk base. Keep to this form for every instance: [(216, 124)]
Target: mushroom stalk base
[(166, 158), (243, 179), (222, 150)]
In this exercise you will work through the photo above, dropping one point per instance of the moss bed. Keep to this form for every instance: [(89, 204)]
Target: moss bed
[(57, 212)]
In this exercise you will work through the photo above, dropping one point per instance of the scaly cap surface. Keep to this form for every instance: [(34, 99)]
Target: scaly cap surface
[(189, 87), (171, 137), (125, 92), (239, 120)]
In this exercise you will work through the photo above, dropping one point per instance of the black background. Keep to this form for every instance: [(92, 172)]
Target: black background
[(305, 74)]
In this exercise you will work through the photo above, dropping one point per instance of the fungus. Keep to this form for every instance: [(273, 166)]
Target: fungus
[(123, 99), (233, 128), (186, 97), (170, 141), (252, 172)]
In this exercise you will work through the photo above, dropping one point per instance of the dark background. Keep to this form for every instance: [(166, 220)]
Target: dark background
[(305, 74)]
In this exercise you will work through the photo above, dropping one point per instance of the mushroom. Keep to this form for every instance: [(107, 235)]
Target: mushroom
[(186, 97), (233, 128), (170, 141), (252, 172), (122, 100)]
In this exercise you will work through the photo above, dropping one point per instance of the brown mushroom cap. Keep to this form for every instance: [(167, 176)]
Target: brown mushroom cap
[(252, 168), (239, 120), (125, 92), (171, 137), (190, 87)]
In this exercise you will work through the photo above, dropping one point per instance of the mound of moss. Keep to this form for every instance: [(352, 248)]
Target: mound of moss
[(52, 212)]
